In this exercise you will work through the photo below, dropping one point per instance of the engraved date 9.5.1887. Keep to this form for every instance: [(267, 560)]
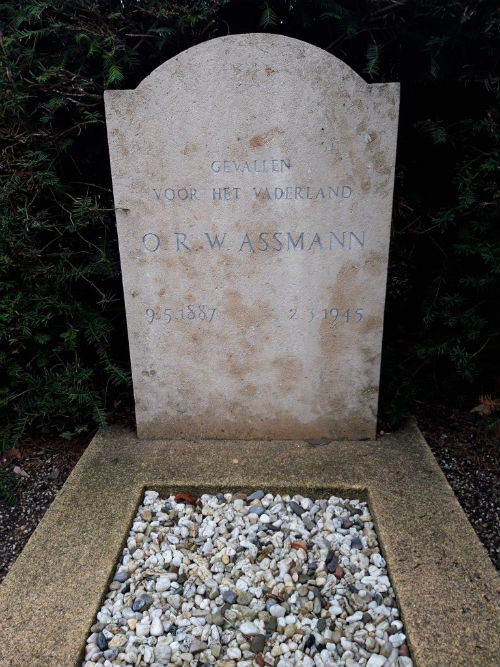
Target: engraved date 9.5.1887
[(190, 312)]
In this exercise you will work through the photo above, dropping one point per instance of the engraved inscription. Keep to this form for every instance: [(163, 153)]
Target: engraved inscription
[(331, 315), (295, 193), (247, 166), (255, 242), (225, 193), (207, 313), (180, 194), (186, 313)]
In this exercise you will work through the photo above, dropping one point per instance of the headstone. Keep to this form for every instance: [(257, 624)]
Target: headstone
[(253, 179)]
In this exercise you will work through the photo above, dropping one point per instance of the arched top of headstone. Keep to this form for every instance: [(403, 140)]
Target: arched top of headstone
[(267, 54), (254, 67)]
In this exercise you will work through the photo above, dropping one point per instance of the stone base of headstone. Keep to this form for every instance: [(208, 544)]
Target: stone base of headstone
[(447, 588)]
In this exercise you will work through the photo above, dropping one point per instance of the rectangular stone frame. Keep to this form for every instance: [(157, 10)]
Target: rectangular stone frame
[(447, 589)]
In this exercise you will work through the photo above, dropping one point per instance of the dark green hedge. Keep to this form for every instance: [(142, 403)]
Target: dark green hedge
[(63, 348)]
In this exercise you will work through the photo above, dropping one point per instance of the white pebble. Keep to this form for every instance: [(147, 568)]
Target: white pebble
[(234, 653), (156, 628), (249, 628), (376, 660), (142, 629), (397, 639), (162, 584), (404, 661), (277, 611)]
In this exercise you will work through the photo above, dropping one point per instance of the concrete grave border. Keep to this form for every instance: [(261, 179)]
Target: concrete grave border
[(447, 588)]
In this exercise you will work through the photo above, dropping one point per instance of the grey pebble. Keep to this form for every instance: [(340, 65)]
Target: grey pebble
[(271, 625), (308, 523), (257, 643), (386, 649), (97, 627), (296, 508), (356, 543), (256, 495), (142, 603), (110, 653), (331, 562), (229, 596), (270, 603), (244, 598), (216, 619), (256, 509), (197, 646)]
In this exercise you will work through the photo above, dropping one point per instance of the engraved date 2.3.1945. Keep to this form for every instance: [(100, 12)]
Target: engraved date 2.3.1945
[(332, 315)]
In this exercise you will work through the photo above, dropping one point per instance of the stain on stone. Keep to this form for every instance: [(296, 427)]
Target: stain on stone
[(290, 370), (261, 139)]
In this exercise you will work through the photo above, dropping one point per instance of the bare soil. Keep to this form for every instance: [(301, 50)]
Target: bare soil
[(469, 455)]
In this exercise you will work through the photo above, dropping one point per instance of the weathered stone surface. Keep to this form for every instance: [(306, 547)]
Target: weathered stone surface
[(253, 181)]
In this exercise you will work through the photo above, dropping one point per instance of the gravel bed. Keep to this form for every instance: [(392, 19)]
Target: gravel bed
[(236, 581)]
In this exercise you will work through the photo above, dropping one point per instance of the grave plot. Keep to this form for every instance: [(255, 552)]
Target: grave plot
[(239, 580), (252, 180)]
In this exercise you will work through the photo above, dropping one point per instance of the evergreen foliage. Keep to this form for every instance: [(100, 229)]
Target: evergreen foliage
[(63, 347)]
